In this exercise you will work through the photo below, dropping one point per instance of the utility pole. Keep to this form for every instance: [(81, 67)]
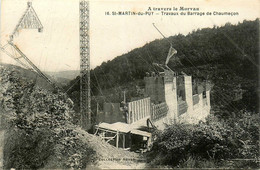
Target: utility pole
[(85, 109), (124, 98), (125, 108)]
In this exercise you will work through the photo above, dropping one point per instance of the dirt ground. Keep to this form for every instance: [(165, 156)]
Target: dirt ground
[(110, 157)]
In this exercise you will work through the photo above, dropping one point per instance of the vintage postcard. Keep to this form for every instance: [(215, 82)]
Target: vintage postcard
[(135, 84)]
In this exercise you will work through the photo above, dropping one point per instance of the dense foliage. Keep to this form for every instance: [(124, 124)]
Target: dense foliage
[(213, 141), (31, 76), (227, 56), (39, 131)]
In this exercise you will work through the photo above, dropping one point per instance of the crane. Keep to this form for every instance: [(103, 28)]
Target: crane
[(171, 53), (29, 20), (85, 109)]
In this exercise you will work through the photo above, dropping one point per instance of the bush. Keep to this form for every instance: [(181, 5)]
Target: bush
[(175, 139), (208, 143), (40, 129), (180, 141)]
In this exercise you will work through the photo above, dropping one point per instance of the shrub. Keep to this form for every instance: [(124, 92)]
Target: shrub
[(40, 129), (170, 144), (180, 141), (212, 141)]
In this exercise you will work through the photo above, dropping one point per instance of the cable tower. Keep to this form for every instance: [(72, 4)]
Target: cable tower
[(85, 110), (29, 20)]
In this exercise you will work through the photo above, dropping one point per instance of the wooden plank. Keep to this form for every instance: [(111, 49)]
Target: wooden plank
[(117, 138), (124, 141)]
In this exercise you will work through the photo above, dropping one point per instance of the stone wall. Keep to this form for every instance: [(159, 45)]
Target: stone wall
[(185, 107), (154, 88), (111, 113)]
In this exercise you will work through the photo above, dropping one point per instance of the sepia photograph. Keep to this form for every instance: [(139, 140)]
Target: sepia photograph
[(135, 84)]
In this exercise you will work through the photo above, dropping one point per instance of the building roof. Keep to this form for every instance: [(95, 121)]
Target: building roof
[(123, 128), (118, 126)]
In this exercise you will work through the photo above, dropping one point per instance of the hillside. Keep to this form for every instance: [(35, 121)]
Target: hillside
[(37, 132), (69, 74), (63, 77), (58, 77), (227, 55), (28, 75)]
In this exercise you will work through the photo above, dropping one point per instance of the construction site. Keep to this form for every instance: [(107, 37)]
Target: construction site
[(84, 113), (171, 96)]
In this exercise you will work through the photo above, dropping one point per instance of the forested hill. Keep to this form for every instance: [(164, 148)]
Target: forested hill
[(29, 75), (227, 55)]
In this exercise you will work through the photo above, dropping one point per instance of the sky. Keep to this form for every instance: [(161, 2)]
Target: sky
[(57, 47)]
